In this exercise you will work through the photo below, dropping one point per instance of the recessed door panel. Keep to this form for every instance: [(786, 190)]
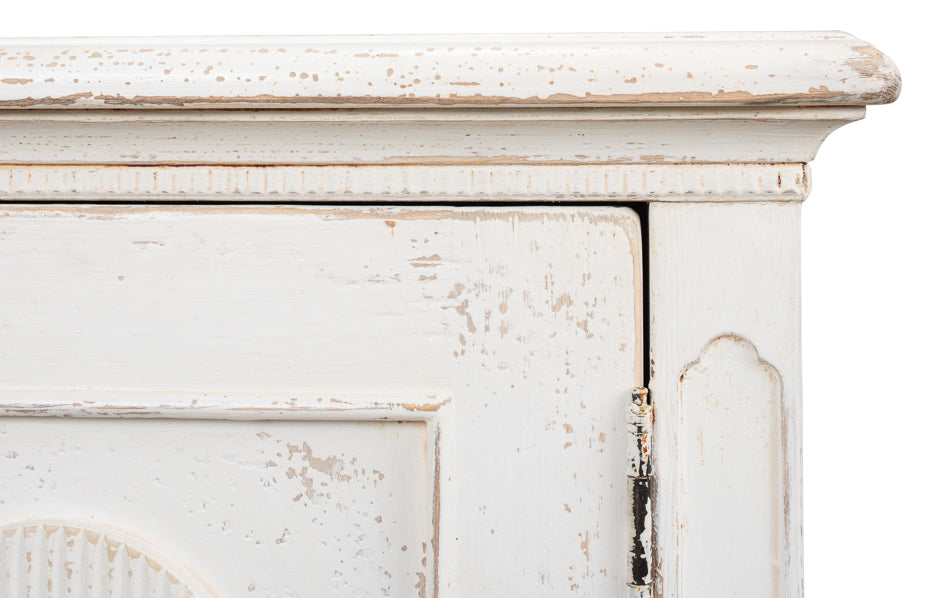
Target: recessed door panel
[(300, 401)]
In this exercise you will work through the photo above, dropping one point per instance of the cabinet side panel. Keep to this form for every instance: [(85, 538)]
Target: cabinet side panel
[(726, 359)]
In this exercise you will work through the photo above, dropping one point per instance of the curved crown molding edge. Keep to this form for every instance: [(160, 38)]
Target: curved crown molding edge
[(508, 136), (820, 68)]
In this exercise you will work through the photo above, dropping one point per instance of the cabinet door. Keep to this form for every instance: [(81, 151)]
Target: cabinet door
[(288, 401)]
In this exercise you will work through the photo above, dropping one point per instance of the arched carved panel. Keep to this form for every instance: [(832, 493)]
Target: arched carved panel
[(734, 481), (46, 559)]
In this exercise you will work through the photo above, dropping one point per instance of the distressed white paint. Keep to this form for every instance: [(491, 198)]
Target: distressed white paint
[(50, 559), (726, 359), (402, 136), (301, 506), (478, 361), (511, 336), (731, 404), (543, 70), (421, 184)]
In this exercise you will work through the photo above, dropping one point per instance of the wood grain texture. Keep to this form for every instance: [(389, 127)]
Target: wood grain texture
[(510, 336), (409, 401), (731, 404), (726, 384), (810, 68), (403, 136), (302, 507)]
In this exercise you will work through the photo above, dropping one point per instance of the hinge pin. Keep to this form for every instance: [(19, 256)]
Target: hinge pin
[(640, 491)]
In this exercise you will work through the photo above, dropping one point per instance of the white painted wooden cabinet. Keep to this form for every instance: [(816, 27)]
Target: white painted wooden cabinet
[(374, 316)]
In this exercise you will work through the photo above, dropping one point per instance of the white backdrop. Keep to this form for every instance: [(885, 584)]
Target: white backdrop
[(876, 247)]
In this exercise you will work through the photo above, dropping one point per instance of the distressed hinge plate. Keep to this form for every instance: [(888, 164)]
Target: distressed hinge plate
[(640, 491)]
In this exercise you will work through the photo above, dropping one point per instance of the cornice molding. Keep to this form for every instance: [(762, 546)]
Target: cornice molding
[(479, 136), (823, 68)]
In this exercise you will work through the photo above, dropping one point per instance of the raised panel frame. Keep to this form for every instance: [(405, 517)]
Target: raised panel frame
[(61, 242)]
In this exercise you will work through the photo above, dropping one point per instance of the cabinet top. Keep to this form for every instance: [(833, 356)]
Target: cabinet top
[(680, 69)]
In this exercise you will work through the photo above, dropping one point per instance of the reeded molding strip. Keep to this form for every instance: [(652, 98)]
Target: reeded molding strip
[(594, 183), (45, 559)]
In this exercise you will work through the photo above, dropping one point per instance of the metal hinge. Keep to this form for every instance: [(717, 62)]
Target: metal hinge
[(640, 491)]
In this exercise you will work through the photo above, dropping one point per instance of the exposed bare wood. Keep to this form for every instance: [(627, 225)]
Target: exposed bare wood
[(421, 183), (48, 559), (480, 136), (725, 353), (823, 68), (227, 338), (200, 366)]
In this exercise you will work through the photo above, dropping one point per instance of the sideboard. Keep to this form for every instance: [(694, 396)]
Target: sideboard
[(422, 316)]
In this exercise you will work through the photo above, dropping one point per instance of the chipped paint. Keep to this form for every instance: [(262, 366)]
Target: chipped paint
[(216, 493), (873, 64), (640, 488), (110, 212), (291, 431), (516, 360), (525, 70), (810, 97), (408, 137), (72, 557), (730, 376), (472, 183)]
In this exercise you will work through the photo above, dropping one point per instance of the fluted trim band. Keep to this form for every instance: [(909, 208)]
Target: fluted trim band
[(420, 184)]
